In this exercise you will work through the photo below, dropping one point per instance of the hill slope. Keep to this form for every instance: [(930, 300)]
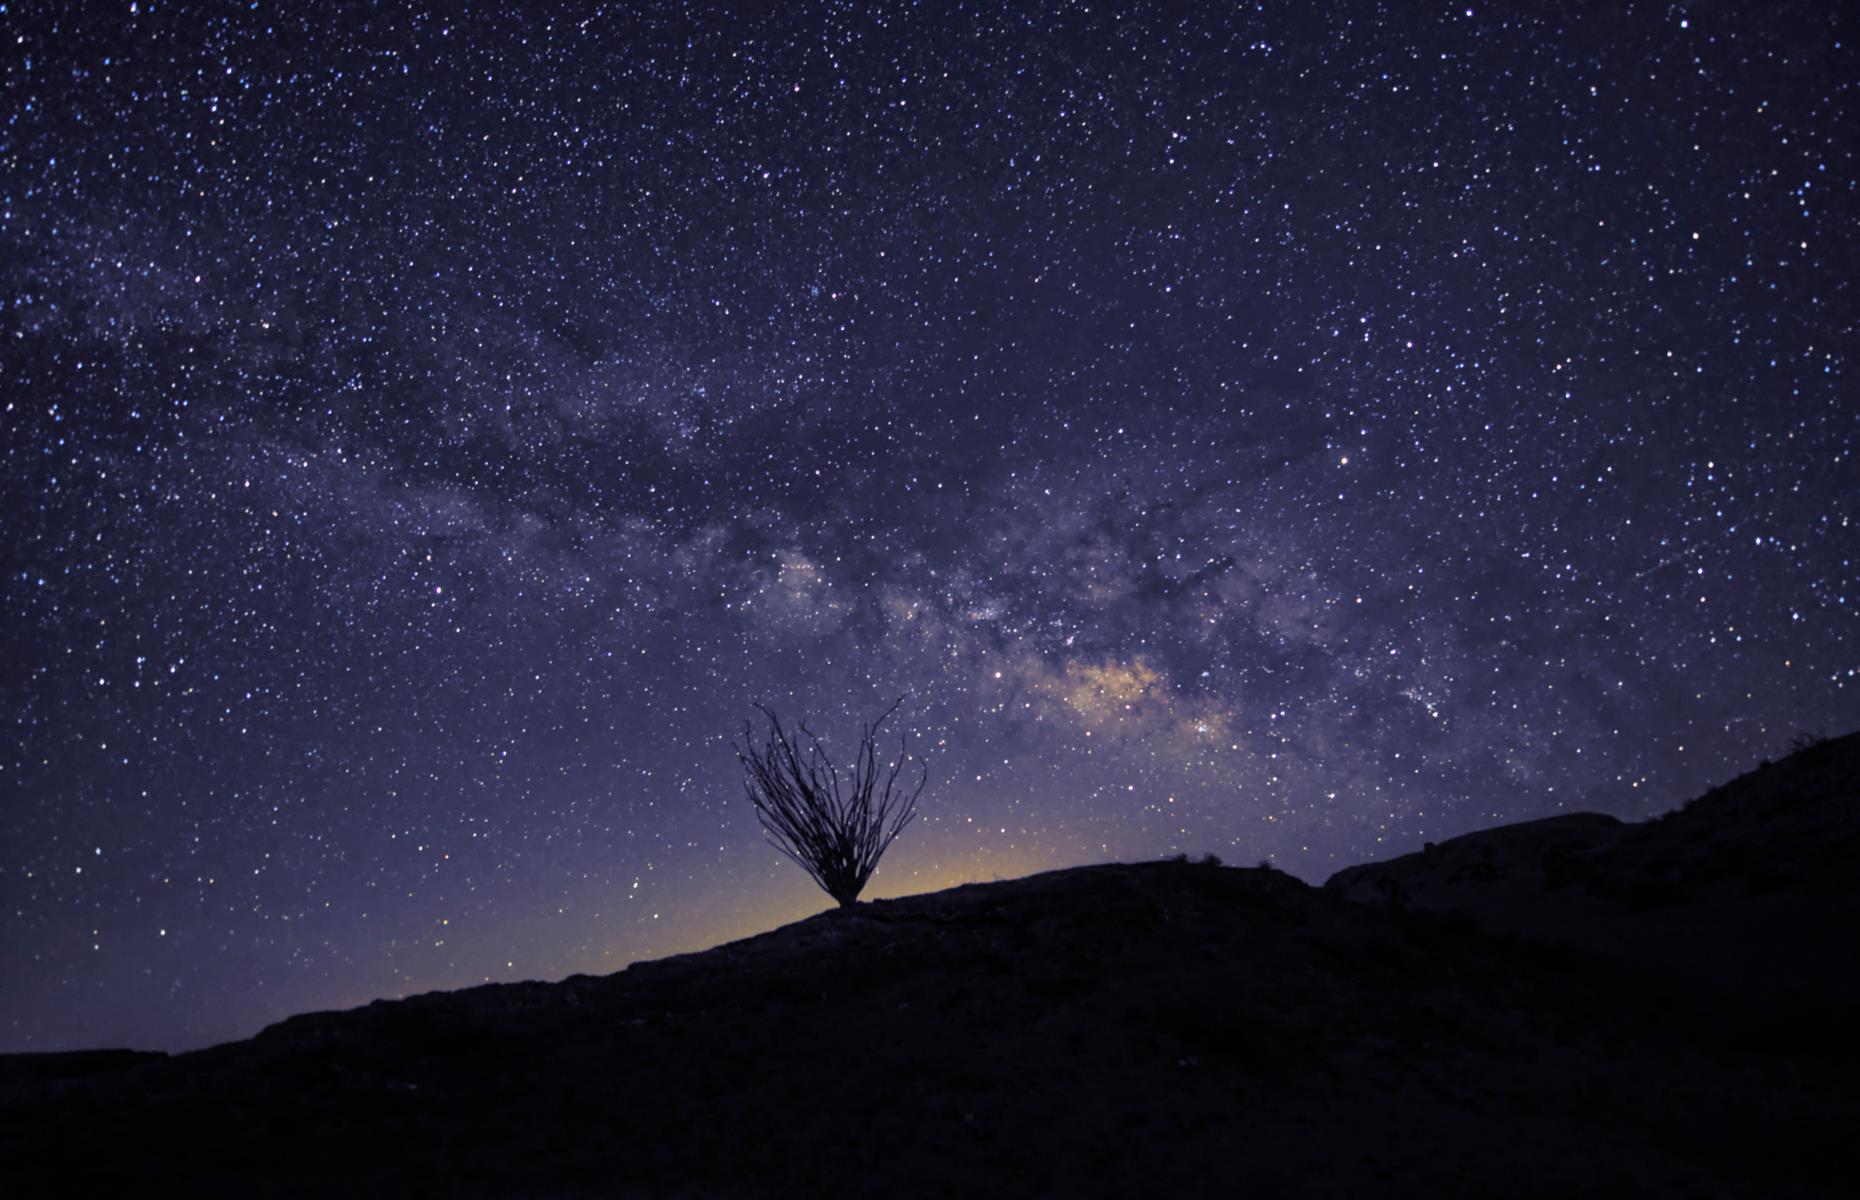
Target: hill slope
[(1745, 892), (1107, 1030)]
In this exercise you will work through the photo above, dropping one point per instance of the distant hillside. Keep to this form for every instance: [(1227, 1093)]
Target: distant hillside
[(1154, 1029), (1754, 888)]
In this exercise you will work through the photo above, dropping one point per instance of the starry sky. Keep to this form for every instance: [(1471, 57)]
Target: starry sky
[(1288, 432)]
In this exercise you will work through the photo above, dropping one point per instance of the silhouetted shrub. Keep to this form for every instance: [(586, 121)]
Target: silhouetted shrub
[(837, 836)]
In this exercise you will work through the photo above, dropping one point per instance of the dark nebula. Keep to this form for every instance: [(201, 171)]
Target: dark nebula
[(1292, 433)]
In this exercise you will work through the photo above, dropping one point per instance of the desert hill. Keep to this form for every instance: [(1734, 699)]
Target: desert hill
[(1469, 1020), (1743, 892)]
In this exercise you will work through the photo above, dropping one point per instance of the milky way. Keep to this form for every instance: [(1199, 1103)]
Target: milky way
[(1288, 434)]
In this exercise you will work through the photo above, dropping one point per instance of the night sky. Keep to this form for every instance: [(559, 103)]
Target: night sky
[(1285, 432)]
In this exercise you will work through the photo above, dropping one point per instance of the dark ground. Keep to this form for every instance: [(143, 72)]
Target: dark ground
[(1566, 1007)]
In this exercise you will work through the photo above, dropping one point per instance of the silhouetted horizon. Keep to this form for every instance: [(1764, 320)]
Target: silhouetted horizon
[(1573, 1005)]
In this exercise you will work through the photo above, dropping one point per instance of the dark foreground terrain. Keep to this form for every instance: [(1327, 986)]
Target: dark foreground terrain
[(1566, 1007)]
